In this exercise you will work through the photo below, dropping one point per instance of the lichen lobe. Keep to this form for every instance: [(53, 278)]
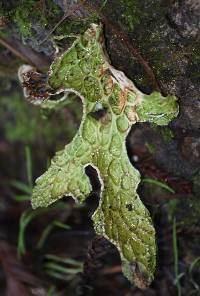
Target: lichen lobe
[(111, 104)]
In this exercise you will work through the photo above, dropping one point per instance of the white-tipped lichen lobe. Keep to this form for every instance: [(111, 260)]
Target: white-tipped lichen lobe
[(111, 104)]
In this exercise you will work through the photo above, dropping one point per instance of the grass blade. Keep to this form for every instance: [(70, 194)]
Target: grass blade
[(29, 166), (48, 230), (64, 260), (158, 183), (21, 186), (175, 251), (21, 198)]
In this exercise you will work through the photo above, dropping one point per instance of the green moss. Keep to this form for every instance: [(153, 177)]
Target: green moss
[(130, 12), (22, 19), (24, 12), (167, 134), (164, 132), (151, 148), (76, 26)]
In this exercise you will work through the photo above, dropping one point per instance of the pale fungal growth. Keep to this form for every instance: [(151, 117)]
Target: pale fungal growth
[(111, 104)]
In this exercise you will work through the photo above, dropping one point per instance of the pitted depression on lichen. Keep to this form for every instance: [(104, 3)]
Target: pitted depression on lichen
[(111, 104)]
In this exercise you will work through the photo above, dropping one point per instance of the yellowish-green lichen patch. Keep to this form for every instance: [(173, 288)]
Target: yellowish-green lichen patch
[(111, 104)]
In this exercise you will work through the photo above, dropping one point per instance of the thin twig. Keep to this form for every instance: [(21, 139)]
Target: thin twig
[(112, 270), (66, 14), (25, 53)]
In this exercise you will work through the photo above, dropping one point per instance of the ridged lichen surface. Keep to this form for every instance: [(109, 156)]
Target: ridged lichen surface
[(111, 105)]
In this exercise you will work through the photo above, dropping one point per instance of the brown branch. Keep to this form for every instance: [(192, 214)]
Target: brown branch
[(25, 53), (112, 270), (17, 53)]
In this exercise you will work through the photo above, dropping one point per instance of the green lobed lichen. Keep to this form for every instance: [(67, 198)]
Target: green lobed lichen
[(111, 105)]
